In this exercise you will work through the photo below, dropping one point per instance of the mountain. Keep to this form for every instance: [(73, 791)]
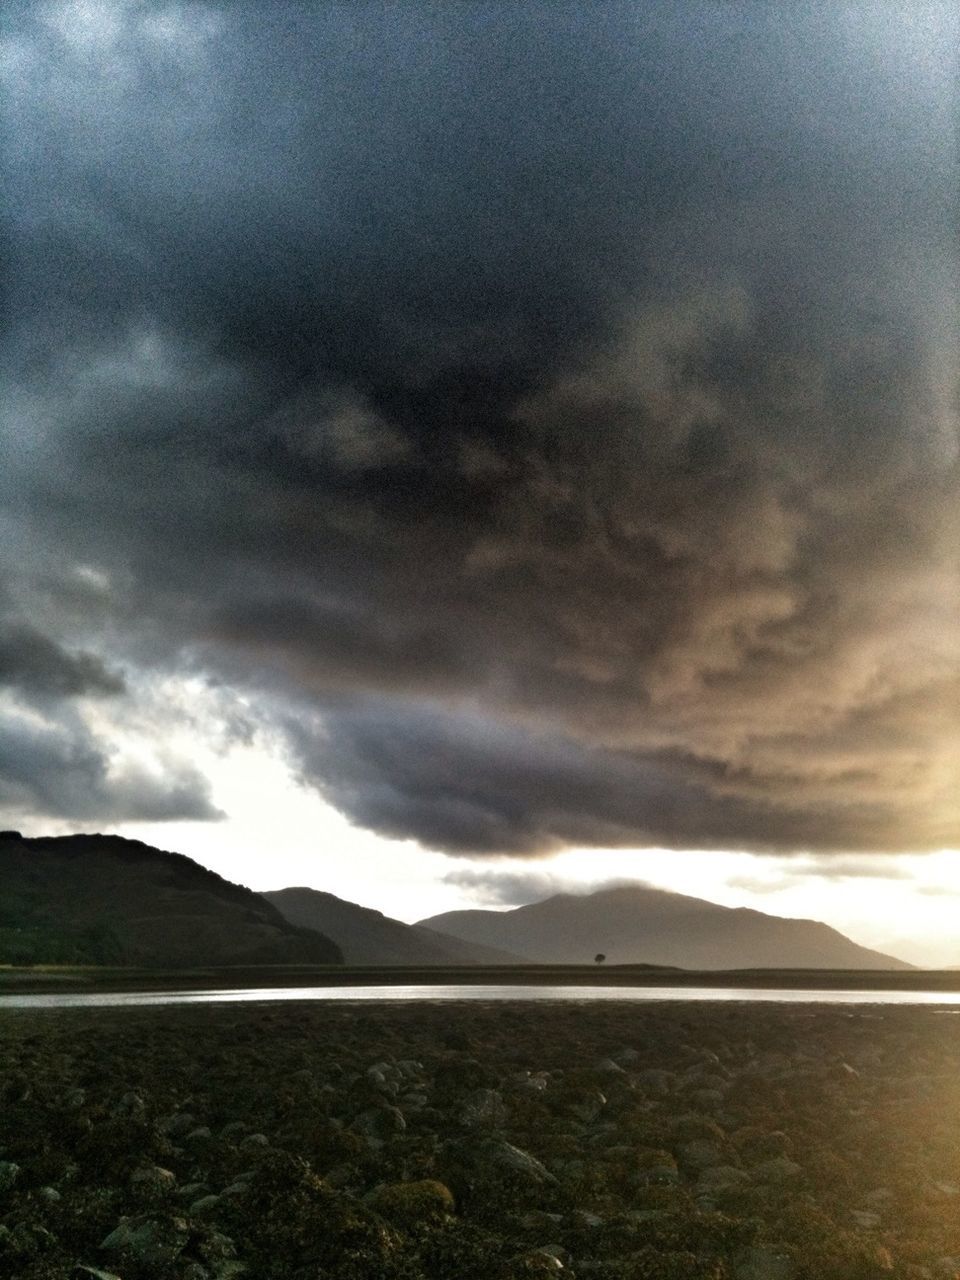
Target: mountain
[(636, 924), (93, 899), (366, 936)]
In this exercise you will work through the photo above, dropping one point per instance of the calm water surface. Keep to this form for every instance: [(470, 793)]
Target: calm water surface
[(270, 995)]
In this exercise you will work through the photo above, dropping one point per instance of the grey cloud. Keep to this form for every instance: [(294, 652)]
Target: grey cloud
[(471, 785), (61, 771), (33, 663), (855, 868), (467, 785), (560, 407), (498, 888), (513, 888), (789, 874)]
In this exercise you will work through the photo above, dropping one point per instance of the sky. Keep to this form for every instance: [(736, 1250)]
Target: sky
[(452, 453)]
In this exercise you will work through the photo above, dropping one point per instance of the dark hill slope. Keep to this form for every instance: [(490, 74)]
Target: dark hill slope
[(636, 924), (366, 936), (94, 899)]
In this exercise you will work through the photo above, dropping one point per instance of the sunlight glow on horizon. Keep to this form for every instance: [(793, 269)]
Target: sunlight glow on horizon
[(279, 833)]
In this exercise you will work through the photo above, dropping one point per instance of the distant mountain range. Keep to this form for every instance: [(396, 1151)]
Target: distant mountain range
[(95, 899), (636, 924), (369, 937)]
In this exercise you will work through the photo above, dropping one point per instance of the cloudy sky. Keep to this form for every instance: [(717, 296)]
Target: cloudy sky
[(452, 452)]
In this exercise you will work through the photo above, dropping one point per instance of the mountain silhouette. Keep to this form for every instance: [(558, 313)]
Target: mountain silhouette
[(636, 924), (96, 899)]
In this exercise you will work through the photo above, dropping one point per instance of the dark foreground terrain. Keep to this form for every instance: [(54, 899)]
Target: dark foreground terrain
[(470, 1142)]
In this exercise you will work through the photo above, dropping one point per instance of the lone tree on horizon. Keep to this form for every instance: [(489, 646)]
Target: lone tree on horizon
[(599, 958)]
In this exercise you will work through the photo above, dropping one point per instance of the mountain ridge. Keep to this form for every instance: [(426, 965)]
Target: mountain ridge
[(368, 936), (640, 924), (105, 899)]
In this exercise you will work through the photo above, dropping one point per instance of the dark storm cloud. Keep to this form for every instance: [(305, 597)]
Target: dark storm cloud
[(469, 785), (33, 663), (557, 404)]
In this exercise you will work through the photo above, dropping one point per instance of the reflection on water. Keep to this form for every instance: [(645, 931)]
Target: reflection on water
[(69, 1000)]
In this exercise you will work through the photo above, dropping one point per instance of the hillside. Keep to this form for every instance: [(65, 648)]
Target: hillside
[(366, 936), (93, 899), (636, 924)]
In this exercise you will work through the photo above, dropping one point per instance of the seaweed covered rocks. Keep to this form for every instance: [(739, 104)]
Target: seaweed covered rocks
[(480, 1142)]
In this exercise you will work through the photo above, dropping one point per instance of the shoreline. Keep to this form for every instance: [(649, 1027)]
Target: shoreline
[(51, 979)]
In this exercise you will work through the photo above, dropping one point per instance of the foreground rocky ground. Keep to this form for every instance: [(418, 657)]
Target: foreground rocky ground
[(480, 1142)]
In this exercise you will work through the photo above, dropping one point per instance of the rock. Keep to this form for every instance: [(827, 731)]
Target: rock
[(253, 1140), (178, 1125), (148, 1240), (218, 1253), (9, 1172), (757, 1144), (520, 1162), (457, 1077), (130, 1106), (50, 1194), (866, 1221), (700, 1153), (777, 1172), (533, 1084), (879, 1196), (722, 1177), (707, 1099), (379, 1123), (539, 1220), (495, 1173), (657, 1080), (763, 1263), (657, 1168), (24, 1240), (483, 1109), (584, 1104), (535, 1262), (235, 1189), (626, 1057), (412, 1204), (769, 1065), (204, 1206), (151, 1181)]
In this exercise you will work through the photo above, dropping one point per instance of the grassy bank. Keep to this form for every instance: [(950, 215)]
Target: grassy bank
[(51, 978)]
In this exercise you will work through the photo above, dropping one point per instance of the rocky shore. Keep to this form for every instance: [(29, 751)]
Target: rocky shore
[(480, 1142)]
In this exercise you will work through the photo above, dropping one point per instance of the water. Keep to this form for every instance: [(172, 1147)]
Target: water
[(272, 995)]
